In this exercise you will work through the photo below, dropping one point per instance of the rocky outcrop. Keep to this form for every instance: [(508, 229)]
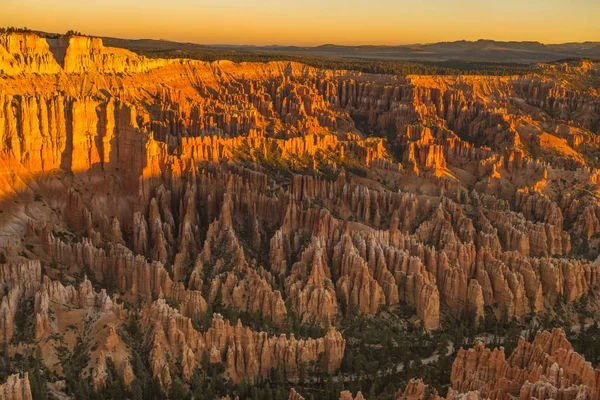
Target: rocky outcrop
[(356, 284), (310, 287), (16, 388), (416, 390), (246, 354), (548, 365), (26, 275), (346, 395), (29, 53), (26, 53), (16, 281), (99, 374), (83, 297)]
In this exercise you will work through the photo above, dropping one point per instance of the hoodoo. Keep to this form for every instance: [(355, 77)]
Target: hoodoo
[(188, 227)]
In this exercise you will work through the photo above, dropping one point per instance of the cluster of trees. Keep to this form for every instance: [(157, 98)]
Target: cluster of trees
[(393, 347), (383, 353), (12, 29), (24, 324), (74, 33), (587, 342), (70, 32)]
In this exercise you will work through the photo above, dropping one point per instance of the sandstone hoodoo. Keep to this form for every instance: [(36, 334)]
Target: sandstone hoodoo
[(189, 226)]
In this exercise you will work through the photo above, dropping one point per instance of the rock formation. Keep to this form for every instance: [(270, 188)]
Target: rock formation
[(546, 367), (246, 354), (16, 388), (180, 188), (16, 281)]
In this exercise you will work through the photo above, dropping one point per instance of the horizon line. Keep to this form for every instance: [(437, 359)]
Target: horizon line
[(315, 45)]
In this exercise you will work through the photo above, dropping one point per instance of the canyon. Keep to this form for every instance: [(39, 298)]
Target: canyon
[(171, 194)]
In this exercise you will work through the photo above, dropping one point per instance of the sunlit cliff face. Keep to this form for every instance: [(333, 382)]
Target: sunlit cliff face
[(281, 191)]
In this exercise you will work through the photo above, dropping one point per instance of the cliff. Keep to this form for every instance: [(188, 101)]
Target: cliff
[(29, 53)]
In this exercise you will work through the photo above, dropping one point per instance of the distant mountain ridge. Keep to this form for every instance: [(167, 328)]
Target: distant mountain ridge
[(483, 50)]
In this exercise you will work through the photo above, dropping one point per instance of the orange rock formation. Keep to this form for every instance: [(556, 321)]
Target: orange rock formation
[(249, 187)]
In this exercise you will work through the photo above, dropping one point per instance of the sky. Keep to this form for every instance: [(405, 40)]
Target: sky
[(313, 22)]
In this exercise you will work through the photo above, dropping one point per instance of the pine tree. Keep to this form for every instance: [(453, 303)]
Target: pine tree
[(178, 391), (37, 381)]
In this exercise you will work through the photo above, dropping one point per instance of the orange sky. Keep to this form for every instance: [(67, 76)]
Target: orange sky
[(313, 22)]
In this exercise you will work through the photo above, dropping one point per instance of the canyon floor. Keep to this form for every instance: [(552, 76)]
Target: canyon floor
[(179, 229)]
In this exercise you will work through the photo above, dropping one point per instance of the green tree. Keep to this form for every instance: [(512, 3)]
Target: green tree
[(178, 391), (37, 380)]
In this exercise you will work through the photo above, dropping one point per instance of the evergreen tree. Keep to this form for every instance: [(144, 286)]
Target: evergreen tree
[(178, 391), (37, 381)]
